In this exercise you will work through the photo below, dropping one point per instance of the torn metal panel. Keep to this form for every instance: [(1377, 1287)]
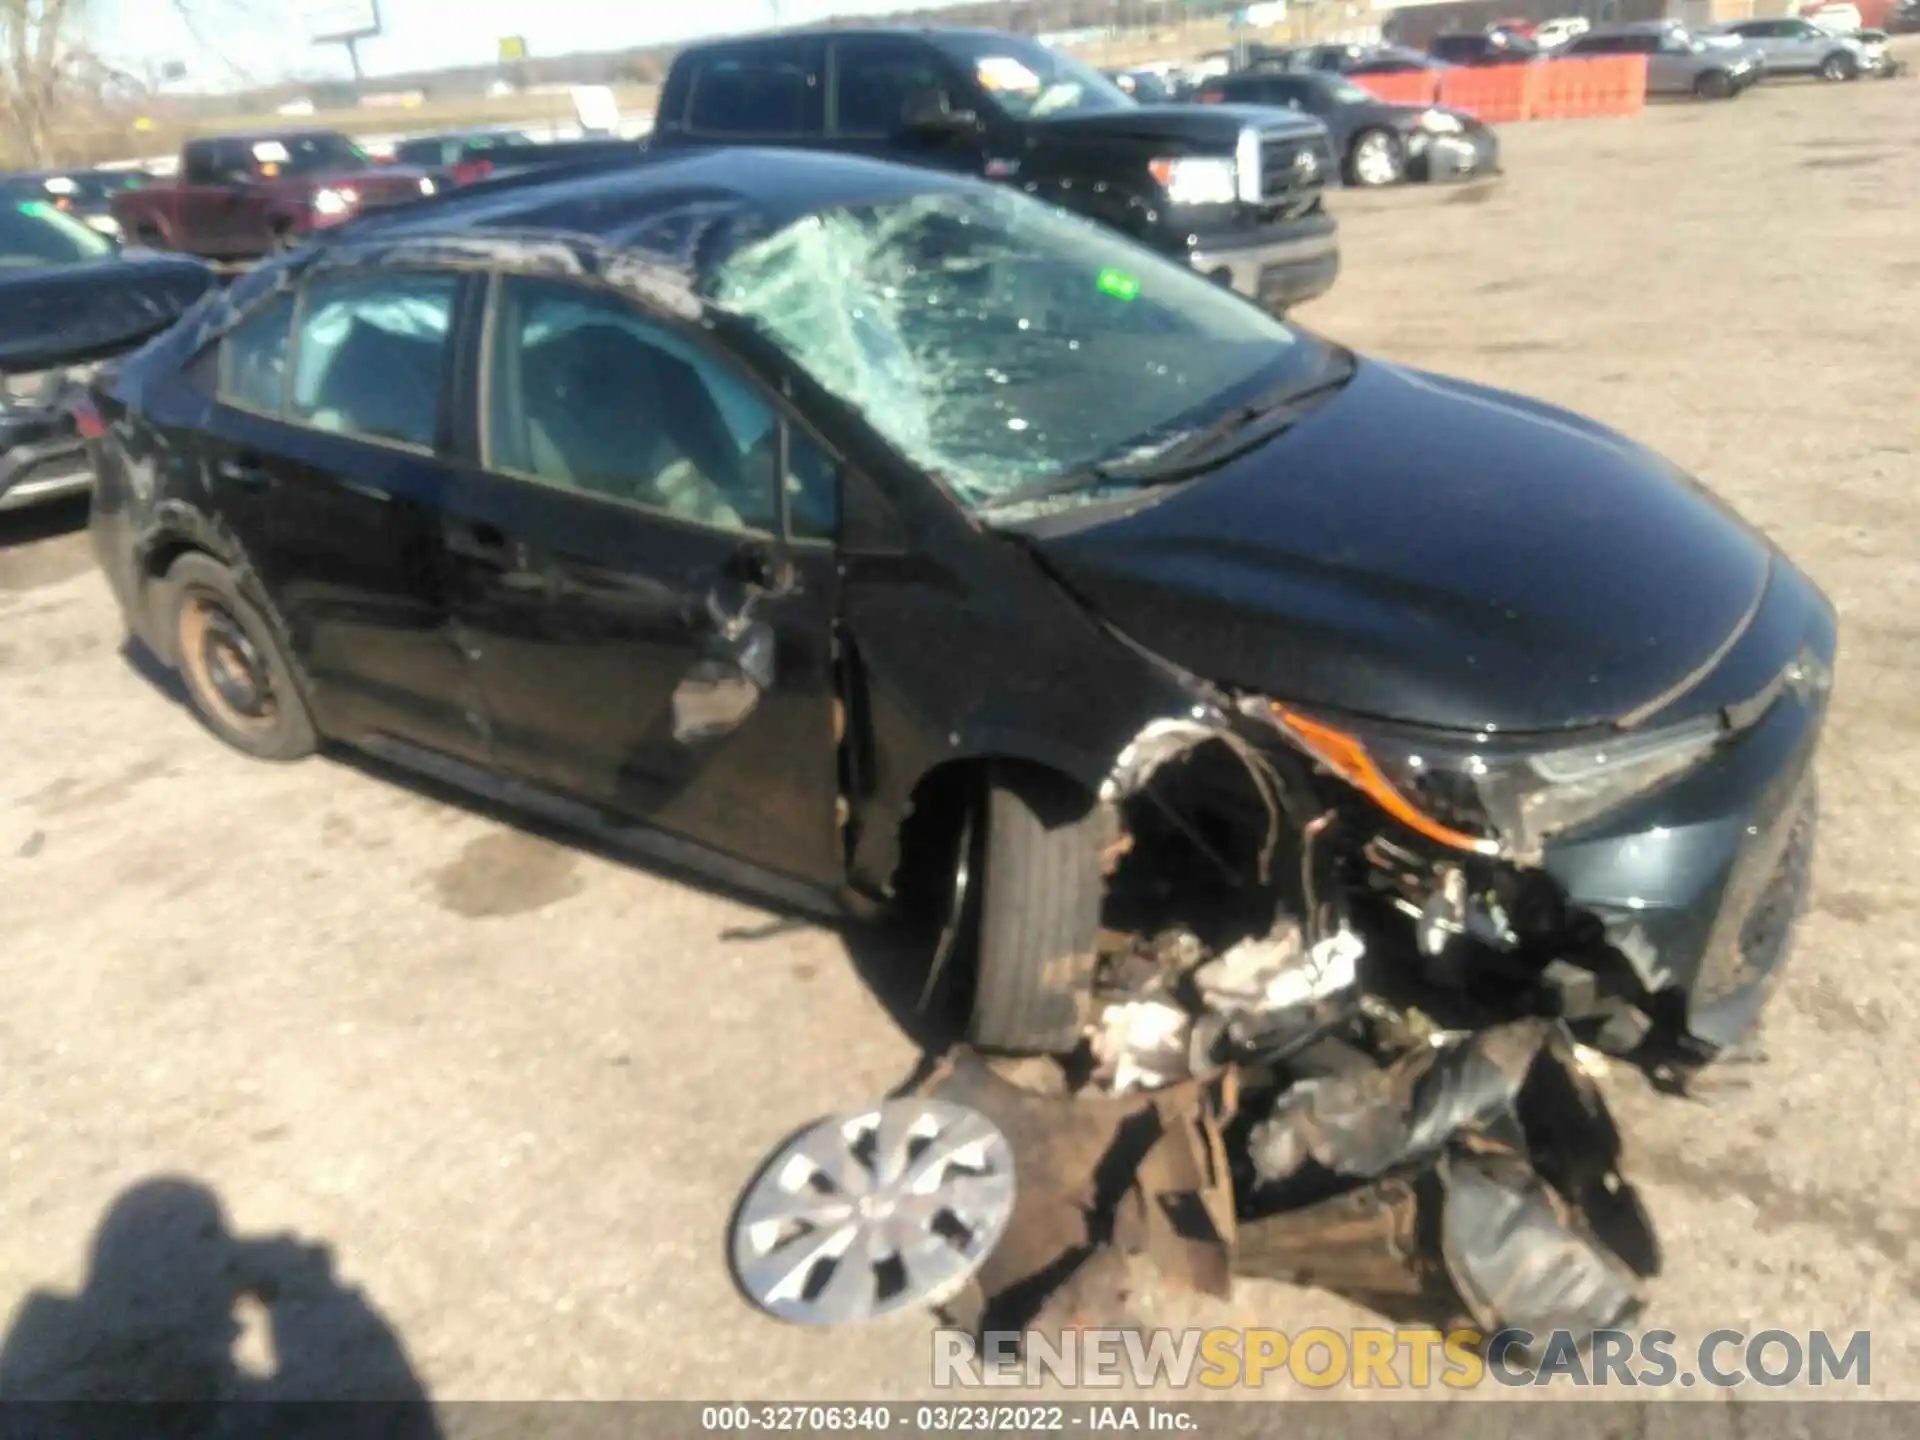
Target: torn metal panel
[(1365, 1123), (1520, 1256)]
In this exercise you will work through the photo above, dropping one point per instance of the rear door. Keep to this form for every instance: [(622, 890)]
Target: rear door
[(326, 462), (616, 563)]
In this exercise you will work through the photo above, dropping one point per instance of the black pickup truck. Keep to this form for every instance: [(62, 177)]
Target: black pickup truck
[(1236, 191)]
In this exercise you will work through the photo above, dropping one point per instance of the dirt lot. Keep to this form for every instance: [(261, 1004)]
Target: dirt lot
[(515, 1086)]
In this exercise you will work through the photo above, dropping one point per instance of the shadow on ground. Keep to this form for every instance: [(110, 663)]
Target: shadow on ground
[(198, 1331)]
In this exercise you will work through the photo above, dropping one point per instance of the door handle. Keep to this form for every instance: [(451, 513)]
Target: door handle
[(490, 545), (247, 472)]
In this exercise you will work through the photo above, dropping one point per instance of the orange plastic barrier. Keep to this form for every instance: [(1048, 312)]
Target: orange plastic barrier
[(1495, 93), (1414, 87), (1549, 89)]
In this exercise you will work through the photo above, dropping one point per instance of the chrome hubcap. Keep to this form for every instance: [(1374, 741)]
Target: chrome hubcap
[(1374, 162)]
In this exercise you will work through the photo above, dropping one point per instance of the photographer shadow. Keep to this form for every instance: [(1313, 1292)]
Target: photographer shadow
[(183, 1322)]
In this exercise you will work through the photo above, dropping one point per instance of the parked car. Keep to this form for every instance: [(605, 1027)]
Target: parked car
[(826, 523), (1799, 47), (517, 157), (238, 197), (1236, 193), (87, 195), (461, 157), (1496, 48), (1677, 62), (1378, 142), (1556, 33), (69, 299), (1392, 60)]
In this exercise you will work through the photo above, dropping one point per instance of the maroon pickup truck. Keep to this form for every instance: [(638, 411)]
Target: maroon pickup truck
[(238, 197)]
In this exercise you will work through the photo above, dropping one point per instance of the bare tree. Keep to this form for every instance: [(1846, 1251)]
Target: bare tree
[(37, 57)]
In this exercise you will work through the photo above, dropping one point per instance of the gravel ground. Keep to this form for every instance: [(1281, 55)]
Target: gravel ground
[(514, 1086)]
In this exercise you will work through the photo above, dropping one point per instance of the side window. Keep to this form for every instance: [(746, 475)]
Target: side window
[(748, 95), (372, 354), (253, 359), (585, 393), (872, 80), (200, 165)]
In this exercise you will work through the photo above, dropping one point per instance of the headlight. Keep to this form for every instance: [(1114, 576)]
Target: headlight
[(427, 187), (1193, 180), (332, 202), (1439, 122), (1490, 801)]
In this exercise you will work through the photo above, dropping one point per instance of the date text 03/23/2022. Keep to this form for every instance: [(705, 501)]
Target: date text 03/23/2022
[(944, 1419)]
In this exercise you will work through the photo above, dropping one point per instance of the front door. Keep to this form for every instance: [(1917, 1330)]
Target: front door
[(324, 455), (871, 79), (643, 639)]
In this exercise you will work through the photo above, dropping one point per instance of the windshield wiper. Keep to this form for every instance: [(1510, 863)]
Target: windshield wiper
[(1192, 454)]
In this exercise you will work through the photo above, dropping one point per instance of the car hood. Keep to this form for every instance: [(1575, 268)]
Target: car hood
[(1211, 126), (75, 314), (1433, 551)]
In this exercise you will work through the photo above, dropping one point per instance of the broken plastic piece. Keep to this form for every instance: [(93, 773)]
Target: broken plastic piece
[(1142, 1045)]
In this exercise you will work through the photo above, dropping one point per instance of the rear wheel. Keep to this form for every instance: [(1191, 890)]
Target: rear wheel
[(1041, 890), (1839, 66), (1375, 158), (237, 673), (1714, 85)]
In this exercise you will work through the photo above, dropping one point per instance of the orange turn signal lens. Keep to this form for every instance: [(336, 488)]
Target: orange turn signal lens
[(1348, 758)]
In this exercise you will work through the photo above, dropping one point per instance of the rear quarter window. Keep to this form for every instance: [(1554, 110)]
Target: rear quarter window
[(747, 95)]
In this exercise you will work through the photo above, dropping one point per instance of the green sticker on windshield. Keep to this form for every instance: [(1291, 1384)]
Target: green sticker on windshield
[(1118, 284), (39, 209)]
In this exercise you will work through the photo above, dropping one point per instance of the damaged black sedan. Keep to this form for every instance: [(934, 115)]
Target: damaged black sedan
[(864, 534)]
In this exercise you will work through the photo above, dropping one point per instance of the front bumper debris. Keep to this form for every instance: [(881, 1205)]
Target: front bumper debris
[(1445, 159), (1475, 1180)]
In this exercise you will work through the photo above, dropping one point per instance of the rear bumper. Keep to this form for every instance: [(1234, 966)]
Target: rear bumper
[(1275, 272), (41, 459)]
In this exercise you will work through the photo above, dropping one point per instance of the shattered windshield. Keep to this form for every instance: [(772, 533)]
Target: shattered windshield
[(996, 341), (1031, 82)]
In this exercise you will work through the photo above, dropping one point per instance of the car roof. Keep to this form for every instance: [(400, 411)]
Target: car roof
[(620, 207), (856, 32)]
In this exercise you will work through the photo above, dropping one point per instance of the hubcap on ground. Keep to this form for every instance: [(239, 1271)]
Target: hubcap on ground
[(228, 669), (868, 1213)]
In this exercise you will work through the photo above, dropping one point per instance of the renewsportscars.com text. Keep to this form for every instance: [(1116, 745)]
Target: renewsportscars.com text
[(1393, 1359)]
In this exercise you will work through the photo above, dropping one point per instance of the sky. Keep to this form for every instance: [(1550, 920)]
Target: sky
[(262, 38)]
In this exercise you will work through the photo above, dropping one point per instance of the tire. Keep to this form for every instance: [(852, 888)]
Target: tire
[(148, 237), (1839, 66), (1376, 158), (1039, 916), (1715, 85), (282, 241), (237, 674)]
